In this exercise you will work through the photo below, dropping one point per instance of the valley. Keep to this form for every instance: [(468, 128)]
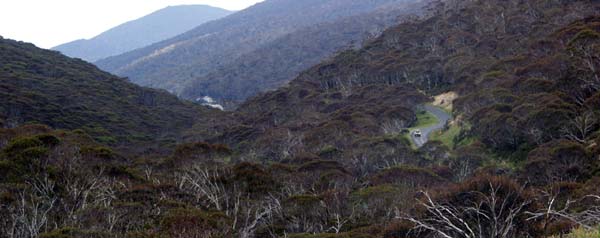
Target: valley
[(314, 119), (258, 49)]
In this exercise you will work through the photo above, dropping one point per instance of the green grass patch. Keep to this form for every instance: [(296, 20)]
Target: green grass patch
[(407, 137), (424, 119), (582, 233), (447, 137), (451, 136)]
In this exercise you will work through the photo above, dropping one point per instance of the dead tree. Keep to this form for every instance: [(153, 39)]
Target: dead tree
[(204, 184), (395, 126), (580, 128), (489, 216), (31, 215), (80, 192), (553, 211), (258, 214)]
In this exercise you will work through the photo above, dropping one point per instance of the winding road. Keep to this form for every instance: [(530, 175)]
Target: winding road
[(442, 116)]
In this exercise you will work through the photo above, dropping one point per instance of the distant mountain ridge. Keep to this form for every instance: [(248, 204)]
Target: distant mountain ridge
[(223, 52), (155, 27), (276, 63)]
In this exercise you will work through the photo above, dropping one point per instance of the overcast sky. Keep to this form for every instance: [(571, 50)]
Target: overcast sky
[(48, 23)]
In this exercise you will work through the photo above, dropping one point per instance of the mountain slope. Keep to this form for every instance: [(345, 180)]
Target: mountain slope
[(215, 49), (276, 63), (327, 155), (160, 25), (43, 86), (523, 78)]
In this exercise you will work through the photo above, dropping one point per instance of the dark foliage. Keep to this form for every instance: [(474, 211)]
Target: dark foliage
[(40, 86)]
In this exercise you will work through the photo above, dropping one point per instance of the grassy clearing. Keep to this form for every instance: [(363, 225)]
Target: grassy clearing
[(449, 135), (446, 136), (424, 119)]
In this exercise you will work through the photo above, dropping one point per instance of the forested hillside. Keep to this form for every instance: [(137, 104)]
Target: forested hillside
[(276, 63), (526, 77), (329, 155), (41, 86), (224, 59), (157, 26)]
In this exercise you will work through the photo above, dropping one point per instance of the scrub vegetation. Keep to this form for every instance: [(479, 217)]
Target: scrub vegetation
[(86, 154)]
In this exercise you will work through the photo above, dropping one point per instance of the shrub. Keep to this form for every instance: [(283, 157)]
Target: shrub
[(399, 229), (123, 172), (69, 232), (321, 165), (329, 152), (326, 235), (19, 144), (559, 160), (97, 152), (253, 178), (408, 175), (198, 152), (376, 203), (193, 223), (48, 140)]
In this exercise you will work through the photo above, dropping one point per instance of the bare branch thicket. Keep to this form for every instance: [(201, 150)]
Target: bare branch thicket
[(291, 188), (361, 165), (588, 218), (491, 216), (388, 163), (339, 222), (394, 126), (204, 184), (291, 144), (340, 217), (263, 213), (591, 58), (113, 217), (107, 192), (536, 134), (247, 214), (464, 168), (150, 175), (31, 214), (580, 128), (250, 155), (80, 191), (8, 225), (345, 86)]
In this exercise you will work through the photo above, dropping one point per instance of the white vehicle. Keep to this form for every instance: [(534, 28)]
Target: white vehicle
[(417, 133)]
